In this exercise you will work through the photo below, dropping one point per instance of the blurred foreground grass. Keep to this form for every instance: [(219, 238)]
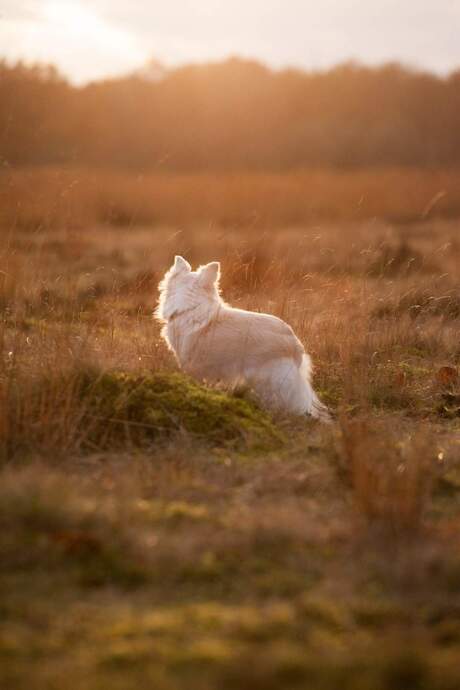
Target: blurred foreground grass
[(192, 566)]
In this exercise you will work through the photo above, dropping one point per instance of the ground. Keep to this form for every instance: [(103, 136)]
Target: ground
[(143, 547)]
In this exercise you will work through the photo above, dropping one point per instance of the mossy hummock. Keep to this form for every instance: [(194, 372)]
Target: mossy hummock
[(143, 407)]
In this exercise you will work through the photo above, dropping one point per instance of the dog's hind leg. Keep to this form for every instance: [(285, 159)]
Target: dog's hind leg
[(285, 386)]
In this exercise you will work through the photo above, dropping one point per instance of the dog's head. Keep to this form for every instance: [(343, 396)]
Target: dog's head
[(182, 289)]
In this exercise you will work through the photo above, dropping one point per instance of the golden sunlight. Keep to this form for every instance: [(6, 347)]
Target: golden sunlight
[(75, 18), (78, 39)]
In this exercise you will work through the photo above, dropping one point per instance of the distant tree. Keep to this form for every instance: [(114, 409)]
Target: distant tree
[(229, 115)]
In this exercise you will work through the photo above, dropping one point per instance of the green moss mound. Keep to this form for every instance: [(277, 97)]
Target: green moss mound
[(120, 406)]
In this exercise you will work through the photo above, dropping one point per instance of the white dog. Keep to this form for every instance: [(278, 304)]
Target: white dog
[(216, 342)]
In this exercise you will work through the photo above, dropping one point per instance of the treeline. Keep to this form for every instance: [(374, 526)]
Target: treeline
[(232, 115)]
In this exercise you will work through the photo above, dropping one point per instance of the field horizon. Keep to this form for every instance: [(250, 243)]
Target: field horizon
[(43, 198)]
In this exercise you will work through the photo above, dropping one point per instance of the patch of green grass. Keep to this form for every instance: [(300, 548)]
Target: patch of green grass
[(122, 405), (378, 614), (448, 484), (395, 387), (221, 597)]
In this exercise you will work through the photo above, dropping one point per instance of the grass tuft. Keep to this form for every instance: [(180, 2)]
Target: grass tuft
[(115, 409)]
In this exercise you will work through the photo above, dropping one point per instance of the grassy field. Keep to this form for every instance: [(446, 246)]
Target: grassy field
[(55, 197), (155, 533)]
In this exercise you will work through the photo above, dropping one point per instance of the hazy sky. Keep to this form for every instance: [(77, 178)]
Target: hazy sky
[(89, 39)]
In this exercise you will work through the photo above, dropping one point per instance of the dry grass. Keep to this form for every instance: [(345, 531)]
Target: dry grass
[(390, 474), (184, 558), (56, 197)]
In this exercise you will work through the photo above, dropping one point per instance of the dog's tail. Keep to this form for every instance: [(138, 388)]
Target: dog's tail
[(319, 410), (315, 407)]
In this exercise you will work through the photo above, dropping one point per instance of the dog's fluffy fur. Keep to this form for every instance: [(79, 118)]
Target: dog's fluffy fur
[(216, 342)]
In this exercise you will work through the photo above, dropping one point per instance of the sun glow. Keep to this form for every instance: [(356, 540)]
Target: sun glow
[(83, 44), (93, 39), (75, 19)]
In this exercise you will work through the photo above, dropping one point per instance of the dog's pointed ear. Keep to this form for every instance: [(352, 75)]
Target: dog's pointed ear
[(210, 274), (180, 264)]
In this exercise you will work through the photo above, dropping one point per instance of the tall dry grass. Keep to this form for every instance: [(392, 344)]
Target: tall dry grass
[(348, 533), (391, 474), (34, 198), (377, 306)]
